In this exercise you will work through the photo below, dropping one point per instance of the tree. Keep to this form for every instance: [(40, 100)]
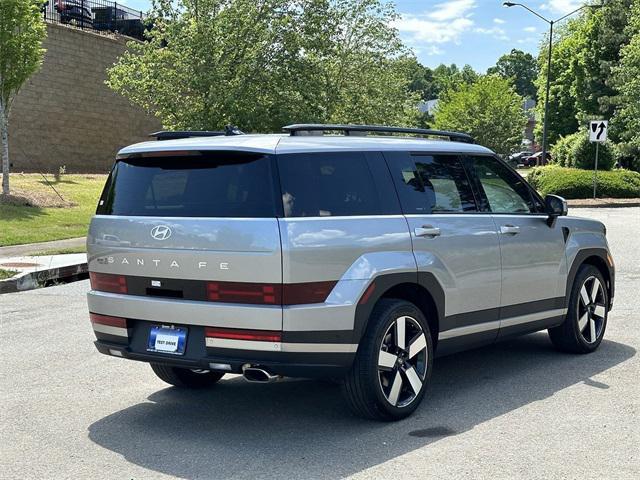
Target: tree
[(422, 80), (489, 109), (261, 64), (521, 68), (586, 53), (626, 78), (430, 83), (22, 31), (448, 76), (563, 111), (601, 35)]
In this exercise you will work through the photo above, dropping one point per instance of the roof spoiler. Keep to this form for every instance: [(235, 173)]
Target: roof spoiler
[(306, 128), (176, 134)]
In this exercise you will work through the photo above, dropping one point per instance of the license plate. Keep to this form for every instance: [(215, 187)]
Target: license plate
[(170, 340)]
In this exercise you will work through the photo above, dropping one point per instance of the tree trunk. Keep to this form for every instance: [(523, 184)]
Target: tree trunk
[(4, 133)]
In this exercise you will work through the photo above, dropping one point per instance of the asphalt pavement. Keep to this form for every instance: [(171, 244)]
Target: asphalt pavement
[(514, 410)]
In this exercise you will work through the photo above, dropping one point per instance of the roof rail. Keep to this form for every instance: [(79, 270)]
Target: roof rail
[(296, 129), (176, 134)]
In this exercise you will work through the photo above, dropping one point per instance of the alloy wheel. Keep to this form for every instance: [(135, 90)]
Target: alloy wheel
[(402, 361), (591, 309)]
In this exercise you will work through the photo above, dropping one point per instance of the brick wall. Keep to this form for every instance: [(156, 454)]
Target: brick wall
[(66, 115)]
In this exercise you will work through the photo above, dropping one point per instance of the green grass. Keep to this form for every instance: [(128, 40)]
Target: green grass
[(22, 224), (4, 274), (60, 251)]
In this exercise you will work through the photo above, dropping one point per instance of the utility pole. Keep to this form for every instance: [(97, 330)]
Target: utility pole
[(548, 86)]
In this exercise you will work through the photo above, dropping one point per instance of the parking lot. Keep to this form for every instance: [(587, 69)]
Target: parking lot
[(514, 410)]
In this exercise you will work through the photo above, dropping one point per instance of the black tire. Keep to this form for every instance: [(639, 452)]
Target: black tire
[(367, 387), (573, 335), (185, 377)]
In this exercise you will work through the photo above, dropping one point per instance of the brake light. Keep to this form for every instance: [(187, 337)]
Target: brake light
[(108, 320), (172, 153), (240, 292), (105, 282), (236, 334)]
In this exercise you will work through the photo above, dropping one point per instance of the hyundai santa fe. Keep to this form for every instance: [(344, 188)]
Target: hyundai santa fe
[(334, 251)]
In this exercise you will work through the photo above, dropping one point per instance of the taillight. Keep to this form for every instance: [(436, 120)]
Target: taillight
[(108, 320), (236, 334), (105, 282), (240, 292), (268, 293), (309, 292)]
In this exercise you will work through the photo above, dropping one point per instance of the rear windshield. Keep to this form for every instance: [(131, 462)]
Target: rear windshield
[(220, 184)]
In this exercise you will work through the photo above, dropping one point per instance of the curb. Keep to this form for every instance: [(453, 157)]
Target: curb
[(40, 278), (603, 205)]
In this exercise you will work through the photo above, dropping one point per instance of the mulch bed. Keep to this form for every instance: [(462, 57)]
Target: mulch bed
[(22, 198)]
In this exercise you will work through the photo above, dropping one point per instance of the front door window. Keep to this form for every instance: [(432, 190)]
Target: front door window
[(504, 191)]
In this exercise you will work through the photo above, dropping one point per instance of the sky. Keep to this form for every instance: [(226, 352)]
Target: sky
[(474, 32)]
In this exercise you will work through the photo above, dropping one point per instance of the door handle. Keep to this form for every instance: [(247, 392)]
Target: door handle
[(426, 231), (509, 230)]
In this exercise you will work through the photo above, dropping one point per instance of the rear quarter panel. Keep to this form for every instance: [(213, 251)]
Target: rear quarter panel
[(349, 250)]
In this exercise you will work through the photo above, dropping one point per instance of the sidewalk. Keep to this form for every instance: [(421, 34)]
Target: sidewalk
[(17, 250), (34, 272)]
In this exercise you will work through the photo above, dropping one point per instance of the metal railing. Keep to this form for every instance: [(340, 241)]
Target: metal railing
[(98, 15)]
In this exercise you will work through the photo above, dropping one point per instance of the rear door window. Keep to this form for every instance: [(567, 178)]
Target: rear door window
[(215, 184), (329, 184), (429, 184)]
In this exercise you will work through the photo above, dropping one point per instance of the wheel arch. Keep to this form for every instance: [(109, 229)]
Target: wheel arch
[(598, 257), (421, 289)]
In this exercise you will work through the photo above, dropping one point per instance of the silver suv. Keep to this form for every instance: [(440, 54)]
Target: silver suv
[(338, 251)]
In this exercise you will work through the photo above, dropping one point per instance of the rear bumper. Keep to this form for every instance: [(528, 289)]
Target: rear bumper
[(334, 365), (316, 339)]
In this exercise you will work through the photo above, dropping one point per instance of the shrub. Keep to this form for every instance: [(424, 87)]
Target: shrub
[(561, 150), (627, 155), (577, 183), (577, 151)]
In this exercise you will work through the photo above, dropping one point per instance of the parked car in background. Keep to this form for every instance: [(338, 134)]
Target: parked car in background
[(516, 159), (74, 12), (536, 159)]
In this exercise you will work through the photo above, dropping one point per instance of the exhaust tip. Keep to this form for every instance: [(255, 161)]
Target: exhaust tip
[(257, 375)]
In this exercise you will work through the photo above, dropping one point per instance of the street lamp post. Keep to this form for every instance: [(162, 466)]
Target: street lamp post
[(548, 86)]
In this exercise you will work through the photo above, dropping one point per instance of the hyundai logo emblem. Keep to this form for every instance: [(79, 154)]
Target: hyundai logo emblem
[(160, 232)]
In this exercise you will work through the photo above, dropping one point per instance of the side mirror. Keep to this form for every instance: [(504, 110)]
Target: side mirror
[(555, 207)]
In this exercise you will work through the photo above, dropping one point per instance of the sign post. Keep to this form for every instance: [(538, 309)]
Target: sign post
[(595, 172), (597, 133)]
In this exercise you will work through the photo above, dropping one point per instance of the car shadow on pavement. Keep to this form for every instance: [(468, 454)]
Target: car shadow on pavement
[(302, 429)]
